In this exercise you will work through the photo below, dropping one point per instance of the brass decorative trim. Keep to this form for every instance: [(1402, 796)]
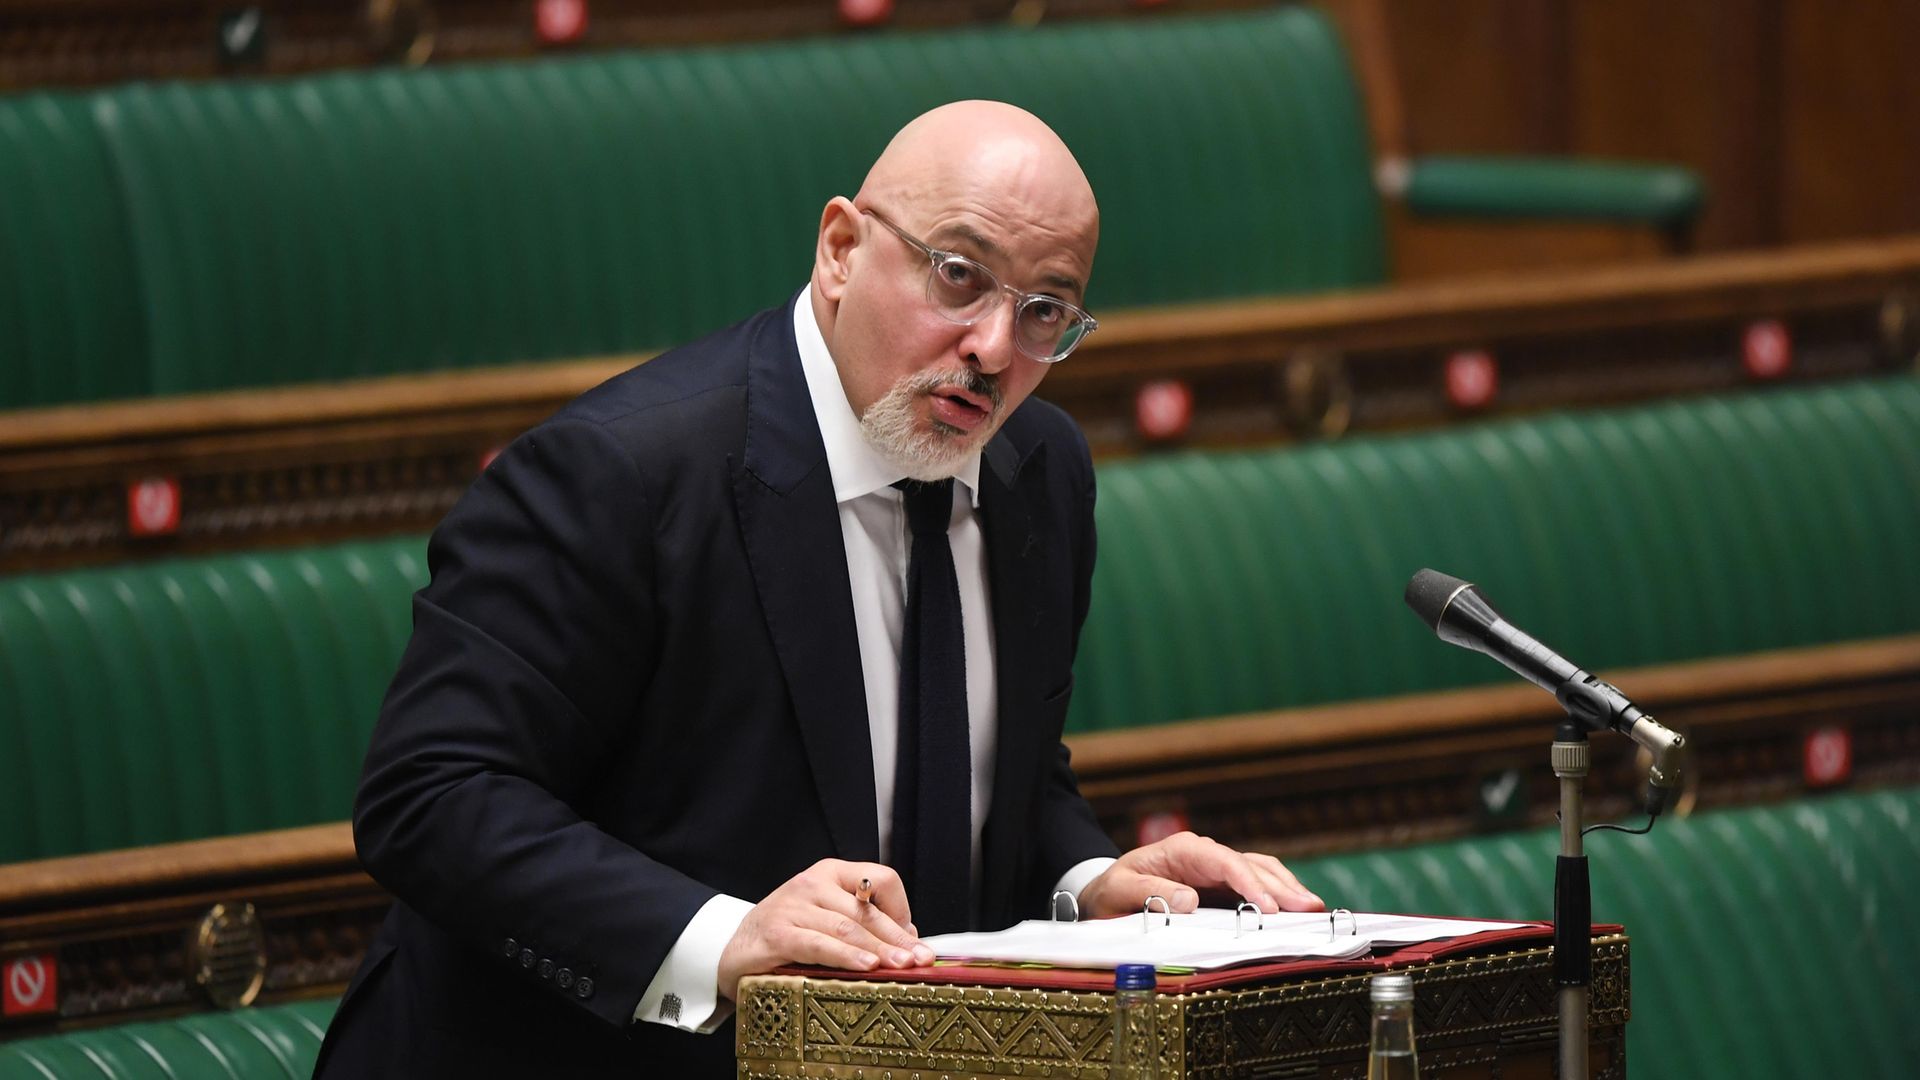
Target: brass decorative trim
[(228, 955)]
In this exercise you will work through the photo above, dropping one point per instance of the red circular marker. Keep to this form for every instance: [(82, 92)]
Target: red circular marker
[(559, 22), (1159, 825), (1828, 757), (1163, 409), (865, 12), (1473, 379), (1766, 349), (153, 506), (29, 985)]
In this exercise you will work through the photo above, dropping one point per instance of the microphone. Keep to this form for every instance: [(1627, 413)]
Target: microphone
[(1461, 616)]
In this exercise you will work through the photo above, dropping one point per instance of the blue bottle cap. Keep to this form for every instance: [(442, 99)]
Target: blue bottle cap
[(1133, 977)]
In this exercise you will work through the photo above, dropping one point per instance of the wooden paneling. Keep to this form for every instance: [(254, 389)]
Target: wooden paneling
[(1850, 145), (1799, 114)]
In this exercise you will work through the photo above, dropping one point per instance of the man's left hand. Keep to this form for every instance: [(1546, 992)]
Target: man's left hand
[(1182, 865)]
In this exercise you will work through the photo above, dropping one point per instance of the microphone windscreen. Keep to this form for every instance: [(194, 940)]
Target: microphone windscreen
[(1428, 593)]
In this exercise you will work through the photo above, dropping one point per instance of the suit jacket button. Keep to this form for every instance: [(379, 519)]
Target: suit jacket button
[(545, 969), (564, 977), (511, 949), (583, 987), (526, 958)]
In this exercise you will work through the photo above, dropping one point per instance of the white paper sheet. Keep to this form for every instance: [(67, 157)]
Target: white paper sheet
[(1203, 940)]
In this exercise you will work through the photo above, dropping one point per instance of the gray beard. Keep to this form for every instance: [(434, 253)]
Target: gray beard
[(892, 429)]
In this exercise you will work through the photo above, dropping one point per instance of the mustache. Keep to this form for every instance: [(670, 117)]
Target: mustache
[(973, 382)]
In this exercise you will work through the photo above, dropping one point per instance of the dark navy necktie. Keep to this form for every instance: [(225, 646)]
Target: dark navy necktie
[(933, 776)]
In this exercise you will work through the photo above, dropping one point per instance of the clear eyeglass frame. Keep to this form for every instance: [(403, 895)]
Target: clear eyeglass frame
[(1076, 324)]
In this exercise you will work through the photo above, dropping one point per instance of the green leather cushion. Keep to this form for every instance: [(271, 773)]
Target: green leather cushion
[(1240, 582), (196, 697), (251, 1044), (1772, 941), (368, 222)]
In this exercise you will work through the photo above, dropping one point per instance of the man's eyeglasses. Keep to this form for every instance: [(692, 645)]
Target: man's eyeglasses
[(1045, 328)]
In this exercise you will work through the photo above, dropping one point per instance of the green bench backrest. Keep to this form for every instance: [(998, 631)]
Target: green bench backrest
[(363, 223), (252, 1044), (1239, 582), (70, 319), (1773, 941), (193, 698)]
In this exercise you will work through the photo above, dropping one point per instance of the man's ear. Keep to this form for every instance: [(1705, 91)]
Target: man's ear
[(833, 250)]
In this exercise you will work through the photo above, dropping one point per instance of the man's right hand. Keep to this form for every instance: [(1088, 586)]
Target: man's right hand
[(817, 918)]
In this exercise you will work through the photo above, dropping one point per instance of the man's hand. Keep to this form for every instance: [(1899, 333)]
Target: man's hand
[(817, 918), (1182, 865)]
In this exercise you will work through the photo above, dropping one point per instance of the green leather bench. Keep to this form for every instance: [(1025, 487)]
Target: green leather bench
[(1769, 942), (174, 238), (1240, 582), (188, 698), (1773, 941), (250, 1044)]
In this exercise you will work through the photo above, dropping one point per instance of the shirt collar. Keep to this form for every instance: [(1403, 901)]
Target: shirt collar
[(856, 467)]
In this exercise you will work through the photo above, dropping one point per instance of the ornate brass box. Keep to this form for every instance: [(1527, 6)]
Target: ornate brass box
[(1492, 1015)]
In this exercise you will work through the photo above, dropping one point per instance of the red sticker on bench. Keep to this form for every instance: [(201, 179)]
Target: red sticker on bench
[(559, 22), (30, 985), (1828, 758), (1473, 378), (153, 506), (1766, 349)]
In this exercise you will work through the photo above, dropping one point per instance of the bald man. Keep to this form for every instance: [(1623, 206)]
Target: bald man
[(778, 621)]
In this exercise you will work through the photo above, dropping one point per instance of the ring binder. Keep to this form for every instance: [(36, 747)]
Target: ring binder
[(1259, 920), (1073, 902), (1333, 931), (1147, 909)]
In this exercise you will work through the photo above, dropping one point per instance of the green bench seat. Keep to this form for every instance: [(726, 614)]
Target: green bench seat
[(1768, 942), (174, 238), (197, 697)]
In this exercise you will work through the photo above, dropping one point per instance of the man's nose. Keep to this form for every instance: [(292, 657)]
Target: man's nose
[(989, 343)]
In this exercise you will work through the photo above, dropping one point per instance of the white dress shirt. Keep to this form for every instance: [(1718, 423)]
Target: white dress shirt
[(873, 526)]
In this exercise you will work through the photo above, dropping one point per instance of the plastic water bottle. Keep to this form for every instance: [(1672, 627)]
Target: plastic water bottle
[(1391, 1056), (1136, 1047)]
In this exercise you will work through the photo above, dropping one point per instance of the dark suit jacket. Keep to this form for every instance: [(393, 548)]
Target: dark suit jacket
[(634, 681)]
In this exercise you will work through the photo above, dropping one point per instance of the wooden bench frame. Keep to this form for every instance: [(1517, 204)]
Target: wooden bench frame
[(315, 463), (1297, 781)]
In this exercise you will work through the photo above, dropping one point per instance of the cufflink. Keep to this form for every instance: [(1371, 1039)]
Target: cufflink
[(670, 1008)]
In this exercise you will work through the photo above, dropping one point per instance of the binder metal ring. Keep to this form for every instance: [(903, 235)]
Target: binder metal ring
[(1146, 909), (1353, 924), (1259, 920), (1073, 905)]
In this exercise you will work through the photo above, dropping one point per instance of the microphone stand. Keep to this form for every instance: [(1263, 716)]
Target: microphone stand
[(1572, 901)]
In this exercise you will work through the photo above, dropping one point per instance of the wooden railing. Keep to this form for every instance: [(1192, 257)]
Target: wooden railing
[(117, 926), (272, 467)]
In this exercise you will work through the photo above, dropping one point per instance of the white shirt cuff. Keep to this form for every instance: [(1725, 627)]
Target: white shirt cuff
[(1078, 877), (685, 992)]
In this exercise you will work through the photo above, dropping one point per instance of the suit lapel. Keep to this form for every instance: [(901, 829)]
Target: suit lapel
[(791, 524), (1013, 513)]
